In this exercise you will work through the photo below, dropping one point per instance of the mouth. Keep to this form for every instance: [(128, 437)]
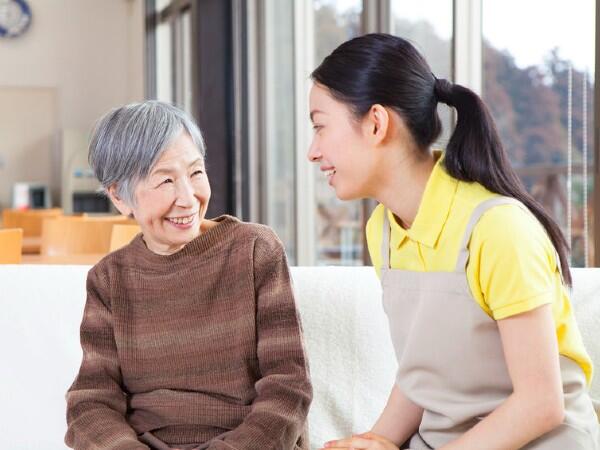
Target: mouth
[(329, 172), (182, 221)]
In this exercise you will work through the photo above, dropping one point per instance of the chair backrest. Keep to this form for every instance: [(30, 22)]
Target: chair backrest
[(122, 234), (110, 218), (29, 220), (11, 243), (68, 236)]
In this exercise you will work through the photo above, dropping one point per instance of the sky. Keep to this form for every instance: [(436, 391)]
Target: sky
[(528, 29)]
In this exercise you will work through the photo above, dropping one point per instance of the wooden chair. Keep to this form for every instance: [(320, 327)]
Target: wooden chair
[(122, 234), (29, 220), (11, 242), (105, 217), (68, 236)]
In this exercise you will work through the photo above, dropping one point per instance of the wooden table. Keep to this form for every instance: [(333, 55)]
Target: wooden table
[(87, 259), (31, 245)]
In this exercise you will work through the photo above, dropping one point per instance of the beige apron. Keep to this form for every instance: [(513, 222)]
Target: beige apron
[(450, 358)]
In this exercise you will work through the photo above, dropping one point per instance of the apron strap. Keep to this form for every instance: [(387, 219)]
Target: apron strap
[(385, 241), (463, 250)]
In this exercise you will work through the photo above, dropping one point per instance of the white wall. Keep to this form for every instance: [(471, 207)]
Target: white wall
[(90, 53)]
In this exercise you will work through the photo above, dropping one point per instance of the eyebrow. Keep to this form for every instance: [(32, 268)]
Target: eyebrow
[(313, 112), (167, 171)]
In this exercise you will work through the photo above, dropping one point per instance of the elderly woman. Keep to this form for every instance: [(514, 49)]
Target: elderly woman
[(191, 338)]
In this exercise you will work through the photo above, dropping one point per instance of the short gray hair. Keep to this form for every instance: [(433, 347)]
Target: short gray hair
[(129, 140)]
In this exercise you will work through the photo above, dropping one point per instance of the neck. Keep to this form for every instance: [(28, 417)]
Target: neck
[(402, 186), (165, 249)]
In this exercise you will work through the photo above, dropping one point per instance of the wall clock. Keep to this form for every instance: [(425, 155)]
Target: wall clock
[(15, 18)]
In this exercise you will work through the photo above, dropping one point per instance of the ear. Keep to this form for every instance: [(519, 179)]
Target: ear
[(377, 123), (119, 203)]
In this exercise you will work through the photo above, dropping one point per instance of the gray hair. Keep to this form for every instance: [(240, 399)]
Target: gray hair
[(128, 141)]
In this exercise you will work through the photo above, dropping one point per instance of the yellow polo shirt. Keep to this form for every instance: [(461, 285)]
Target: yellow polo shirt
[(512, 265)]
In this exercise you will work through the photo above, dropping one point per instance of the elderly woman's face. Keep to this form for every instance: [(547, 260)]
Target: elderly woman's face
[(171, 202)]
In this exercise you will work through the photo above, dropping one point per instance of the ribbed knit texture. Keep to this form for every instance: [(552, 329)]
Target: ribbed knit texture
[(201, 348)]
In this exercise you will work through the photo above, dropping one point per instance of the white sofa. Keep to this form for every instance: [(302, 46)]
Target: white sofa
[(352, 362)]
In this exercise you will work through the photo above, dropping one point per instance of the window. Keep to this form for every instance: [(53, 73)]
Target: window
[(541, 96), (278, 156), (173, 52), (428, 25), (339, 234)]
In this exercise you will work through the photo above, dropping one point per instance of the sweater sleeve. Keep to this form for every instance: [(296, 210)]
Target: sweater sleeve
[(96, 404), (284, 392)]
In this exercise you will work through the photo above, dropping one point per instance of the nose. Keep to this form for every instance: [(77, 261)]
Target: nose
[(313, 155), (186, 197)]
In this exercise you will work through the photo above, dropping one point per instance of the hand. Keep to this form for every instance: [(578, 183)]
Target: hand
[(370, 441)]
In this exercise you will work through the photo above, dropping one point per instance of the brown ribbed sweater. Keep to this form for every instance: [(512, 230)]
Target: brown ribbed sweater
[(201, 348)]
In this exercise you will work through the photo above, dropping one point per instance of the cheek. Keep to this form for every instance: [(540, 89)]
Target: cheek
[(342, 137), (153, 206), (202, 189)]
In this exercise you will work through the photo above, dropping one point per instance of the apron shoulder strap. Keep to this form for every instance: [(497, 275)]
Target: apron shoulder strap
[(385, 241), (463, 250)]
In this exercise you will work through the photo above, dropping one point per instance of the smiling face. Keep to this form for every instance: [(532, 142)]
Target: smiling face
[(340, 146), (171, 202)]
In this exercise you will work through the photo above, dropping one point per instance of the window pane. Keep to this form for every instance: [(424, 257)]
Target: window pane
[(164, 75), (428, 24), (339, 224), (279, 155), (541, 96), (186, 63), (161, 4)]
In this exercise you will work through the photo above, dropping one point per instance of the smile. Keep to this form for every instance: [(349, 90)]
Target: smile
[(181, 220)]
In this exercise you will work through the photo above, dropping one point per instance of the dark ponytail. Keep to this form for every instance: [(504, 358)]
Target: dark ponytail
[(388, 70)]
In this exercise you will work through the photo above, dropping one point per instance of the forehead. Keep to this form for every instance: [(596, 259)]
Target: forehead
[(180, 152), (321, 101)]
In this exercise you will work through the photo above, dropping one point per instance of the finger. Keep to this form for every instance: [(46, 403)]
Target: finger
[(351, 448), (353, 442), (365, 435), (374, 437)]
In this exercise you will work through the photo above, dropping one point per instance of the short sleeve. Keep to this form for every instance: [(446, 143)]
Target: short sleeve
[(514, 261)]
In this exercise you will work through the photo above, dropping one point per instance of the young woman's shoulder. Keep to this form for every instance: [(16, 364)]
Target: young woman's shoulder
[(512, 225), (513, 261)]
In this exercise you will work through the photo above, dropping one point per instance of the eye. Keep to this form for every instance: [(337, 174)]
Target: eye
[(166, 181), (316, 128), (197, 172)]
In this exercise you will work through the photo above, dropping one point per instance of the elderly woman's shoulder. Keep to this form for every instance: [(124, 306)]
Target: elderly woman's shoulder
[(111, 262)]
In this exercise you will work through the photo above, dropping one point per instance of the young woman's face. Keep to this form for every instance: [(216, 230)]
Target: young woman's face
[(339, 146), (171, 202)]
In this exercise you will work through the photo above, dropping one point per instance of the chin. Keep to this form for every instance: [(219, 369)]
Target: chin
[(347, 196)]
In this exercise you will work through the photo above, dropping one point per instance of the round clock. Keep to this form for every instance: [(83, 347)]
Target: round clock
[(15, 17)]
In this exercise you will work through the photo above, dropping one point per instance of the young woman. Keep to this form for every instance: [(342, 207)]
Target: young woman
[(474, 272)]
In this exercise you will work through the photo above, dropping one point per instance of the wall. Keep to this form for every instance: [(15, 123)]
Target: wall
[(78, 59)]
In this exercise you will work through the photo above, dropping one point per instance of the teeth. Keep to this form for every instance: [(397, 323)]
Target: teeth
[(181, 220), (329, 173)]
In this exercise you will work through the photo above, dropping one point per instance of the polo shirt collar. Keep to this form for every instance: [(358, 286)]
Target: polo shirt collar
[(433, 211)]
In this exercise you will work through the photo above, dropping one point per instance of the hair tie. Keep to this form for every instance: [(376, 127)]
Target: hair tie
[(442, 90)]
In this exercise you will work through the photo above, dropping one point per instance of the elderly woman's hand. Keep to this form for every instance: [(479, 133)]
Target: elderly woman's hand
[(370, 441)]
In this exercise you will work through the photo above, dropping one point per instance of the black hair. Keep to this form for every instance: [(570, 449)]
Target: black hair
[(388, 70)]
